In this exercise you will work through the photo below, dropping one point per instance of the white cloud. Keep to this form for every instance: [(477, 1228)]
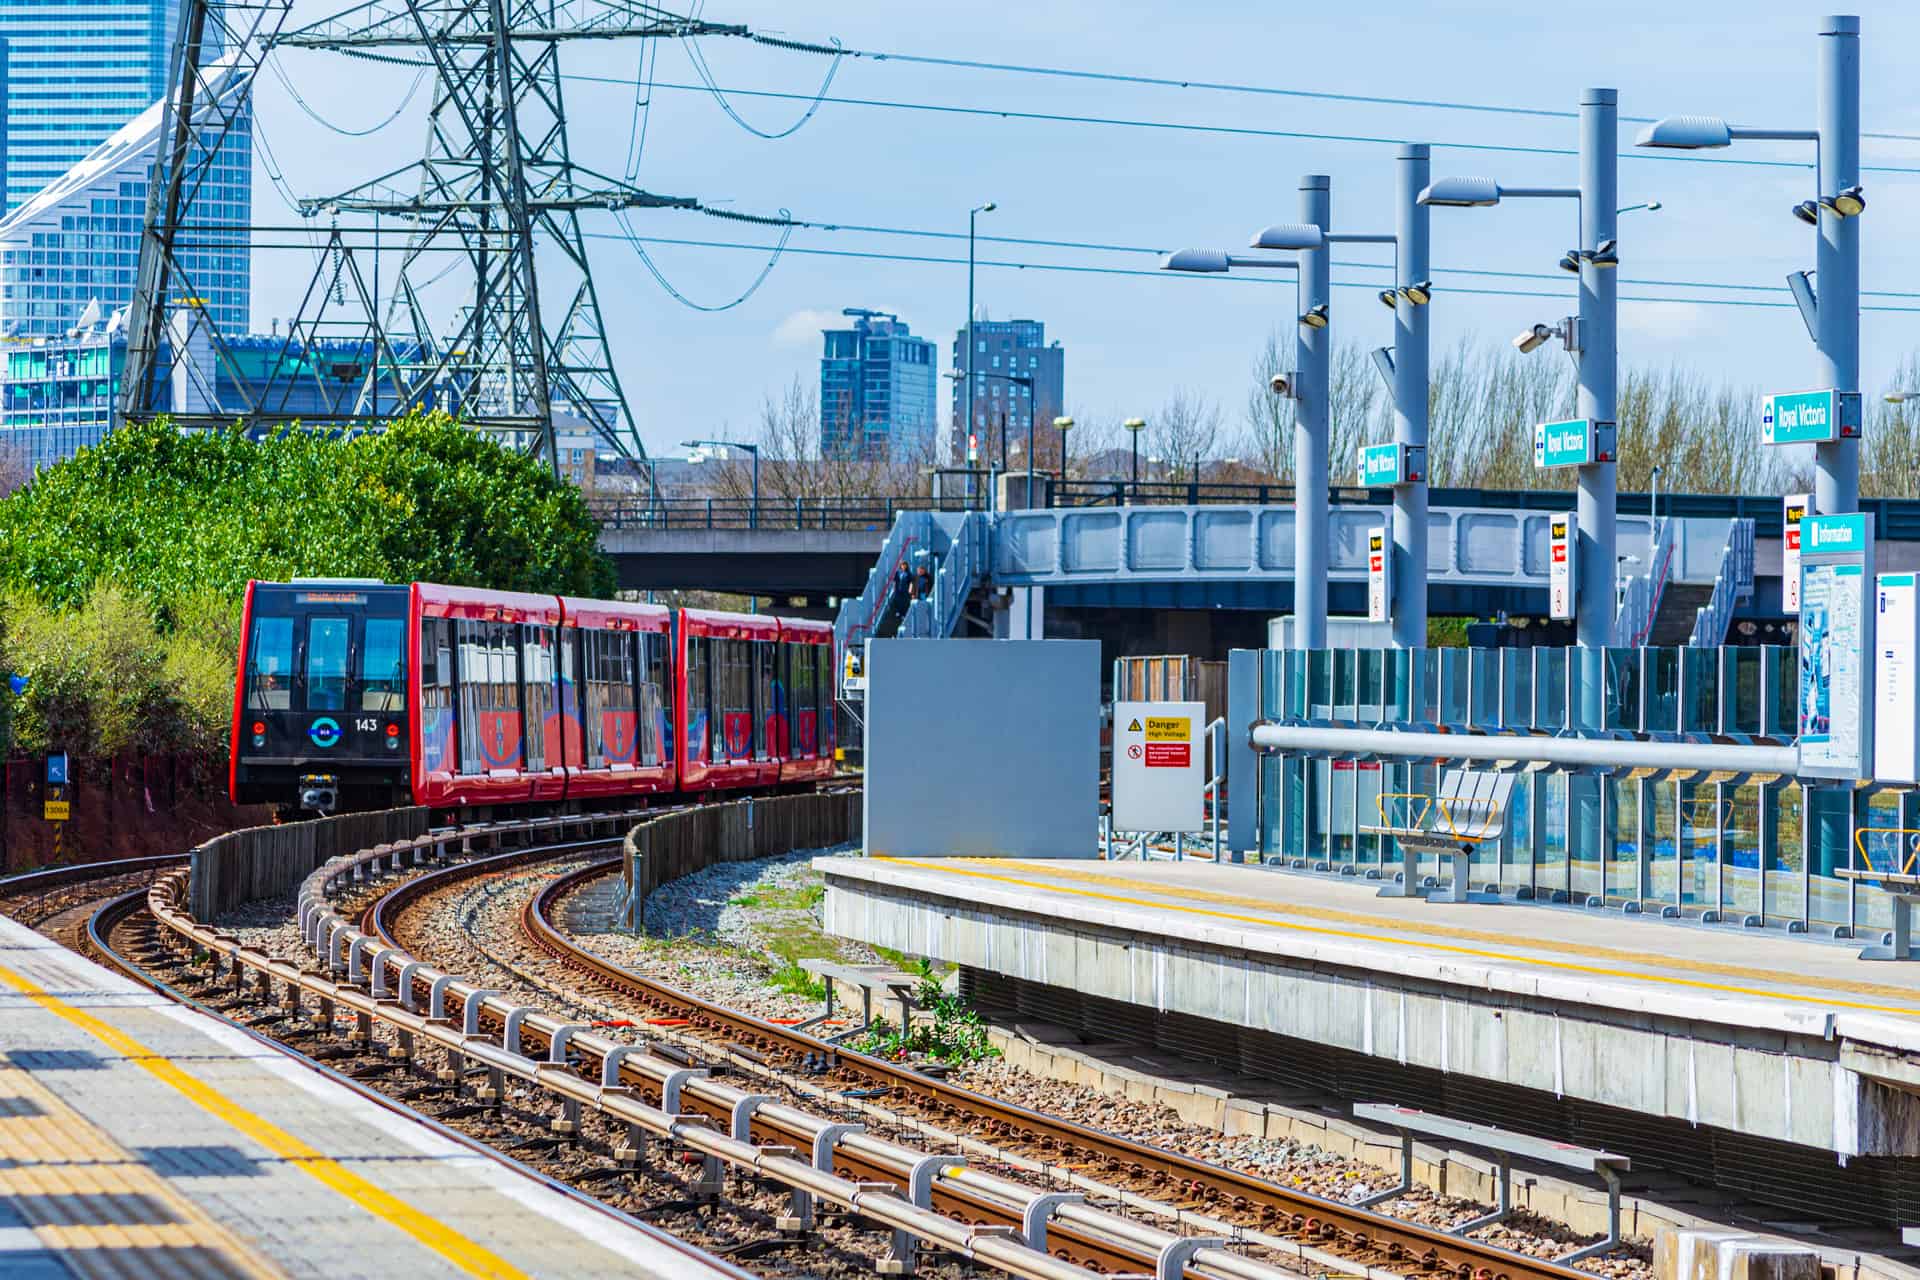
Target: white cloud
[(802, 328)]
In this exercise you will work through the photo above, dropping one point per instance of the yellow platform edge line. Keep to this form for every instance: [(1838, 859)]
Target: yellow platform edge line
[(1585, 950), (467, 1255), (1355, 935)]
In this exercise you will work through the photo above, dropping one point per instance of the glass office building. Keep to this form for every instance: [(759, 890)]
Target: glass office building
[(876, 389), (76, 242), (77, 70), (1018, 380)]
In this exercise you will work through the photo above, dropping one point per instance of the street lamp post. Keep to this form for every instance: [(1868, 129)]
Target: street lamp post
[(1833, 318), (1307, 388), (1134, 427), (1592, 338), (1018, 379), (966, 398), (1063, 425)]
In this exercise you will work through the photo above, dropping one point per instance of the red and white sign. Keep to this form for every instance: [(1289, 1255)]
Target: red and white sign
[(1158, 779), (1563, 577), (1795, 507), (1380, 573)]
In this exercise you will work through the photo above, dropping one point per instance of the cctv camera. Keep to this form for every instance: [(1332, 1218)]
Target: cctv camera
[(1531, 339), (1280, 385)]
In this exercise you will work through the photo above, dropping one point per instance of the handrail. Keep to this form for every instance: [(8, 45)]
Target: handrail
[(1641, 604), (1731, 584)]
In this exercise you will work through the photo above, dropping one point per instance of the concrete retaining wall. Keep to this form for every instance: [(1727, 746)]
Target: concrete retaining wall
[(259, 862)]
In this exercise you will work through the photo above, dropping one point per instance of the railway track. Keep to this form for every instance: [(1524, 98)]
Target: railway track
[(1248, 1206)]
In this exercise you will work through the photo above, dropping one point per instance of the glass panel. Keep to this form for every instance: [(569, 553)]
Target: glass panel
[(1273, 685), (1398, 704), (327, 664), (1345, 687), (762, 651), (1740, 865), (1700, 678), (1519, 836), (1372, 664), (1453, 687), (383, 665), (1589, 689), (1623, 866), (1781, 672), (1659, 829), (1320, 684), (1784, 822), (1426, 699), (437, 740), (655, 707), (1585, 851), (1663, 692), (1829, 845), (1550, 855), (536, 645), (699, 698), (270, 664), (1743, 711), (1517, 713), (1885, 846), (1623, 690), (1484, 665), (1550, 689)]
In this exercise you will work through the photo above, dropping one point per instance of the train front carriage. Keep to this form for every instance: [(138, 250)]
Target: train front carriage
[(726, 700), (320, 718), (803, 701)]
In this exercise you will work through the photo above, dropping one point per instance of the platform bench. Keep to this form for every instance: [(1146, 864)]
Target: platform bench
[(1469, 810)]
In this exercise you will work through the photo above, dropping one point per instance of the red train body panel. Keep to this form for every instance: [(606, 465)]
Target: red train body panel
[(358, 694)]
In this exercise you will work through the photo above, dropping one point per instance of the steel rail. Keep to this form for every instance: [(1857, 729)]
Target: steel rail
[(989, 1203), (688, 1100), (1404, 1243)]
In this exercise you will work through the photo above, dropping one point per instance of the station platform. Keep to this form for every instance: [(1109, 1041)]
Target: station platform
[(142, 1138), (1753, 1033)]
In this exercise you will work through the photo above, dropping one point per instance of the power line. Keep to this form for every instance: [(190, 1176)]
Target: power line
[(1214, 86), (1084, 269), (1240, 131)]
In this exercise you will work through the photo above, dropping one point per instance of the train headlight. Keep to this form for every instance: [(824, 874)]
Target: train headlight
[(393, 737), (259, 740)]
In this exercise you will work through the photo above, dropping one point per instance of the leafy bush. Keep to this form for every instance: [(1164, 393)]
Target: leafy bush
[(177, 516), (953, 1033)]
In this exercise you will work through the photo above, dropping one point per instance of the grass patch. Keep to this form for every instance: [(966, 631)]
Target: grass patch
[(953, 1034), (800, 897), (795, 981)]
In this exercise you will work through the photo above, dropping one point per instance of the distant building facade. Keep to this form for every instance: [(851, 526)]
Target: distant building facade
[(76, 240), (877, 389), (57, 395), (75, 74), (1004, 350)]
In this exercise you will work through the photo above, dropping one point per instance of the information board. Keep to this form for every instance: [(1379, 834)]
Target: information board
[(1159, 766), (1896, 709), (1836, 646), (1794, 508), (1379, 573), (1563, 565)]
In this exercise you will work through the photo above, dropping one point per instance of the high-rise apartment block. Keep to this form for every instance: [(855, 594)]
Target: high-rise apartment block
[(877, 389), (1017, 380)]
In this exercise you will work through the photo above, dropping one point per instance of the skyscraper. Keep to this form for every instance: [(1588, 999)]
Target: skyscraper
[(76, 241), (78, 70), (1005, 350), (876, 389)]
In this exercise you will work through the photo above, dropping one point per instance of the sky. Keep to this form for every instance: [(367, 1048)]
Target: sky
[(1133, 340)]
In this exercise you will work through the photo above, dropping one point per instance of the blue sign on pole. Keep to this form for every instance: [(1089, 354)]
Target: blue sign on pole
[(57, 770)]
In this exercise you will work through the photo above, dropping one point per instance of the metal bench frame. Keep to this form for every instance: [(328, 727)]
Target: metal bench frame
[(1901, 884), (1469, 810)]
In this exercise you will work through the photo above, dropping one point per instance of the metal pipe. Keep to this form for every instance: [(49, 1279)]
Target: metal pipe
[(1598, 362), (1312, 424), (1837, 256), (1409, 606), (1573, 753)]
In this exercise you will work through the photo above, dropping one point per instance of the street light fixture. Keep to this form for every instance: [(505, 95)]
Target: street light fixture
[(1063, 425), (1901, 397), (1134, 427), (1593, 337), (1833, 318)]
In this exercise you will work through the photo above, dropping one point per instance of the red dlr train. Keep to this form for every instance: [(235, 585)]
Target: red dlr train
[(359, 694)]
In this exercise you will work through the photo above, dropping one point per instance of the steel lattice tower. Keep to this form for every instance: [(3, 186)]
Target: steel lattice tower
[(496, 181)]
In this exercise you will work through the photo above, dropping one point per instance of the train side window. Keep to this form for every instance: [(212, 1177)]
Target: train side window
[(610, 698), (475, 692), (536, 656), (383, 665), (270, 664), (509, 735), (327, 646), (824, 677), (800, 700), (732, 729), (436, 695), (652, 727), (699, 697), (762, 651)]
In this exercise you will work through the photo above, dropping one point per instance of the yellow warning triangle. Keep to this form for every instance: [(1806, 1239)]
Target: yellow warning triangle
[(1135, 726)]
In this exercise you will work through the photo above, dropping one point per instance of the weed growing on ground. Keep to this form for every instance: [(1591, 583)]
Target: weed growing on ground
[(953, 1034)]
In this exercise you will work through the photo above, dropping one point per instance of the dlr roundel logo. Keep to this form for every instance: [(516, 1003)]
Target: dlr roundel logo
[(324, 732)]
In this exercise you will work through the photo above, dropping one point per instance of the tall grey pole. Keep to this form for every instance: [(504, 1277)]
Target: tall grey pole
[(1836, 485), (966, 395), (1410, 402), (1598, 360), (1312, 423)]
